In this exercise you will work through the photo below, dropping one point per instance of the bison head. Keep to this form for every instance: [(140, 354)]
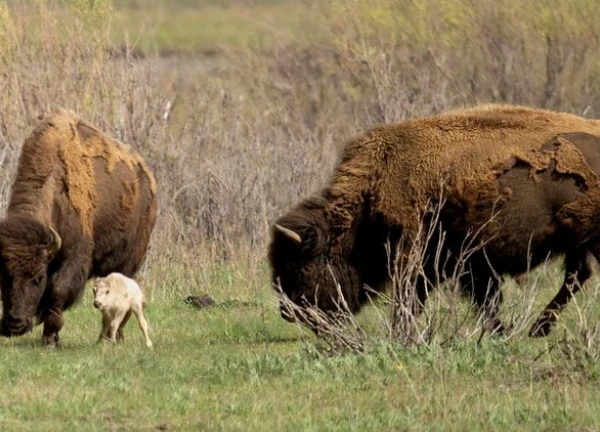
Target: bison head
[(26, 248), (308, 269)]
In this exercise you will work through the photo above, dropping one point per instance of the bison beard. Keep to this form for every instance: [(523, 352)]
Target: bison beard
[(81, 205), (24, 242), (526, 180)]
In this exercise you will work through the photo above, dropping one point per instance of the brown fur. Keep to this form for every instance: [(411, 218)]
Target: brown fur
[(99, 196), (539, 169)]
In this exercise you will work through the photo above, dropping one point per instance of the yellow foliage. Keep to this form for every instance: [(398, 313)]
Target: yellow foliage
[(448, 23), (93, 11), (7, 28)]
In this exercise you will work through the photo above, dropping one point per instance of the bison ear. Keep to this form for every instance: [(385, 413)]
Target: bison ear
[(309, 239), (55, 244)]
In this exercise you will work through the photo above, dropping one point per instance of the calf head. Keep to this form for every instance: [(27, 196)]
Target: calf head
[(26, 248), (307, 268), (104, 293)]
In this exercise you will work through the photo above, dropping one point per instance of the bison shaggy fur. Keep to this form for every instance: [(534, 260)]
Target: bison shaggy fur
[(525, 180), (82, 204)]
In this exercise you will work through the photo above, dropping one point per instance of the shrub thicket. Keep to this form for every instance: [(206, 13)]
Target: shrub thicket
[(237, 136)]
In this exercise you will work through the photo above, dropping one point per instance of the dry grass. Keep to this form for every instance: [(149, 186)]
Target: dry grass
[(339, 331), (236, 138)]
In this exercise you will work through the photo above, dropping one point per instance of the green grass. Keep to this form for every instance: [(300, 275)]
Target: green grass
[(201, 26), (239, 366)]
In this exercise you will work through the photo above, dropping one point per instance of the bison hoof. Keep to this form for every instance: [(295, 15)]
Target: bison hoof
[(51, 341), (494, 327), (541, 328), (497, 330)]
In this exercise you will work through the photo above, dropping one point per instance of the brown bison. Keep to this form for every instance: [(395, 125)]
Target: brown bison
[(525, 180), (82, 205)]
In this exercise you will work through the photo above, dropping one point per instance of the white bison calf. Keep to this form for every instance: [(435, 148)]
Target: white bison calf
[(117, 297)]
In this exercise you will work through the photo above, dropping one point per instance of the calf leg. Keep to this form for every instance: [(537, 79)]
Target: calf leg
[(105, 332), (577, 271), (115, 324), (143, 324), (120, 334)]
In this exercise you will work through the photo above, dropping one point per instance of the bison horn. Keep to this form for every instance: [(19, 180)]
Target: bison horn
[(289, 233), (56, 242)]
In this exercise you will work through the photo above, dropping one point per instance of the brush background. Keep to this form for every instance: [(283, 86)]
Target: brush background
[(241, 108)]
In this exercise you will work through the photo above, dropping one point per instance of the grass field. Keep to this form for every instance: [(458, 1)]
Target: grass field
[(240, 109), (193, 27), (239, 366)]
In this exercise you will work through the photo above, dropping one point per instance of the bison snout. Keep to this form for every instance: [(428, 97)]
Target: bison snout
[(97, 304), (15, 327)]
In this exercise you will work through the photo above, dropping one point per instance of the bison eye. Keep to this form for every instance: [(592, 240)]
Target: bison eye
[(37, 280)]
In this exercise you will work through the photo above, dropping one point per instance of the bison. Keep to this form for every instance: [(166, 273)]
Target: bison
[(82, 204), (117, 297), (526, 181)]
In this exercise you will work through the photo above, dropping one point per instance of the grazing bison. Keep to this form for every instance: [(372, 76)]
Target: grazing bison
[(81, 205), (536, 172)]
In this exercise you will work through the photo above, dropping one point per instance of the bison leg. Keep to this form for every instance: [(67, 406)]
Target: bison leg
[(577, 271), (484, 289), (68, 285), (425, 283), (52, 324), (422, 290)]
